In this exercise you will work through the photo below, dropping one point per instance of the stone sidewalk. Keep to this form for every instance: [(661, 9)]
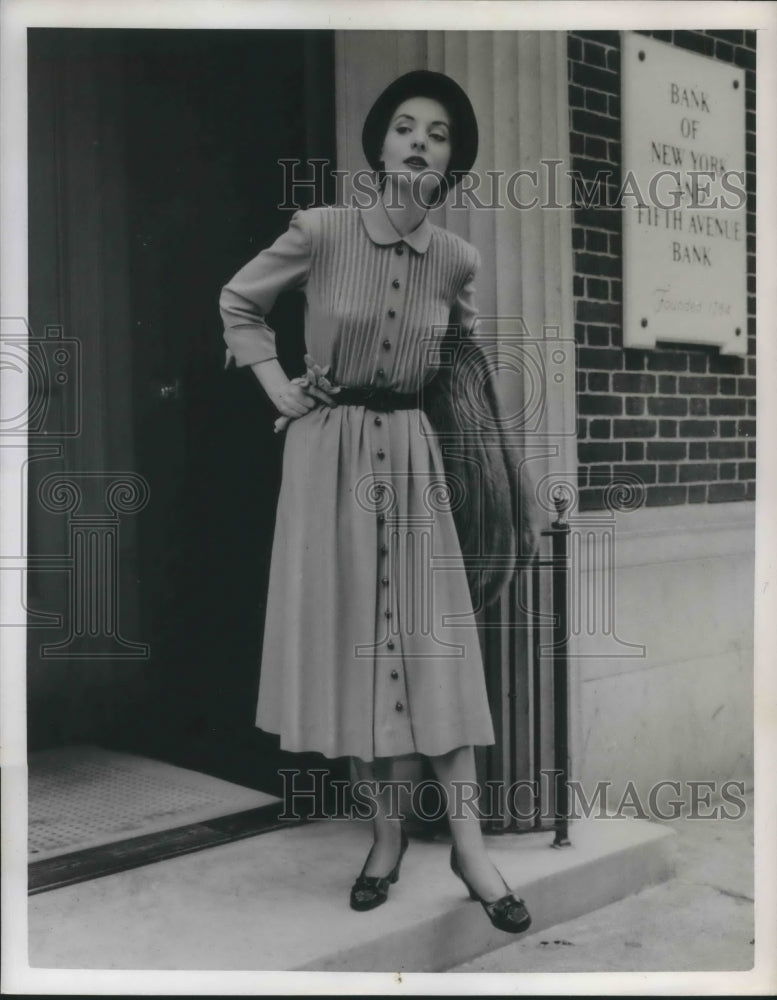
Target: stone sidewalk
[(700, 920)]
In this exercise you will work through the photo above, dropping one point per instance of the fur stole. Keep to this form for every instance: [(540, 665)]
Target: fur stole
[(492, 496)]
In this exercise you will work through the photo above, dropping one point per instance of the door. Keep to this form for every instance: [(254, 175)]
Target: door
[(205, 119)]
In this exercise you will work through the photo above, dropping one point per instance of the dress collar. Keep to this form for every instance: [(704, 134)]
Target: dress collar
[(381, 231)]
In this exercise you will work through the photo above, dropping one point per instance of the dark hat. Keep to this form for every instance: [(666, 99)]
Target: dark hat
[(425, 83)]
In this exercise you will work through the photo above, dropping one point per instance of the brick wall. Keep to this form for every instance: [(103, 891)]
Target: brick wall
[(681, 419)]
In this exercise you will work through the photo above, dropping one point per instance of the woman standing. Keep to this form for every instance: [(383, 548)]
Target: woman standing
[(370, 645)]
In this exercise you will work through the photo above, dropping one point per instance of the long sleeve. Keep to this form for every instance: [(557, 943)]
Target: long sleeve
[(250, 295), (464, 311)]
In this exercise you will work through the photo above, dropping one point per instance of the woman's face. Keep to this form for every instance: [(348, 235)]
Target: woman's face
[(417, 147)]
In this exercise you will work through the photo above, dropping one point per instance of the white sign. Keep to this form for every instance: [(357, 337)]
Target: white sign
[(684, 211)]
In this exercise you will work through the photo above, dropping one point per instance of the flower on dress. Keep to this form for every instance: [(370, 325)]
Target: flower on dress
[(315, 377)]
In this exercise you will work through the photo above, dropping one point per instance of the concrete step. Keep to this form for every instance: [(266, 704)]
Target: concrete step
[(280, 901)]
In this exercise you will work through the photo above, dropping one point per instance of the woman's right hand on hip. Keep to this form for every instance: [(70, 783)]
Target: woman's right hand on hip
[(292, 400)]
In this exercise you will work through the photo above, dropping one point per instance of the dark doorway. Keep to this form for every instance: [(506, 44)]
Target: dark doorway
[(190, 127)]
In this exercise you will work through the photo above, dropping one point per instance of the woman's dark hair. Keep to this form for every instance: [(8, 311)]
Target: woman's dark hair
[(438, 86)]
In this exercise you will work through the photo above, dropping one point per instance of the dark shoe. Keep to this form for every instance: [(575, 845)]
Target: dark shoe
[(369, 891), (508, 913)]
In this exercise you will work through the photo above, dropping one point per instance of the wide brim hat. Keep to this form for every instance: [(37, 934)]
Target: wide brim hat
[(425, 83)]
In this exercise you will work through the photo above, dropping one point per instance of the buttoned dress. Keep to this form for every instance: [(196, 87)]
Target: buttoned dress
[(370, 642)]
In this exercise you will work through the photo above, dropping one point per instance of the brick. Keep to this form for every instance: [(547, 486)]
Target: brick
[(724, 492), (601, 451), (667, 384), (600, 217), (727, 428), (614, 60), (598, 336), (744, 57), (634, 406), (594, 54), (725, 364), (673, 361), (599, 404), (698, 428), (591, 499), (667, 473), (589, 123), (750, 40), (603, 359), (634, 360), (667, 406), (633, 428), (750, 448), (596, 288), (635, 451), (598, 382), (724, 51), (667, 428), (698, 471), (608, 38), (695, 42), (590, 263), (578, 286), (728, 386), (576, 97), (600, 428), (747, 470), (599, 312), (641, 473), (726, 449), (576, 143), (582, 428), (623, 382), (596, 241), (727, 470), (667, 451), (697, 494), (697, 450), (751, 363), (698, 385), (750, 490), (580, 379), (746, 386), (574, 47), (578, 237), (751, 407), (734, 37), (596, 100), (727, 407), (665, 496), (698, 407)]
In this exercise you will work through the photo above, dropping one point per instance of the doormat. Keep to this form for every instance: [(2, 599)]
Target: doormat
[(84, 797)]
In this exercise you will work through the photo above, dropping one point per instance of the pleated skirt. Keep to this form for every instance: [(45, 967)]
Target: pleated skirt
[(370, 643)]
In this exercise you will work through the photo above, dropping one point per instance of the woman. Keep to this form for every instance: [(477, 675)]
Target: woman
[(370, 646)]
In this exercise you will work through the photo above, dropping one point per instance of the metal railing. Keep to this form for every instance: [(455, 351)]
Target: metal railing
[(531, 701)]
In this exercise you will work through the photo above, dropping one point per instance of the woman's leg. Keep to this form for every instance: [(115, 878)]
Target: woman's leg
[(457, 768), (387, 832)]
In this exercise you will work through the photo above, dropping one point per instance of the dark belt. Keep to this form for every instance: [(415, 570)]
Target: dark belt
[(376, 397)]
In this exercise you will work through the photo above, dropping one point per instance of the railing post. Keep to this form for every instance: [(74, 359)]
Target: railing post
[(559, 532)]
